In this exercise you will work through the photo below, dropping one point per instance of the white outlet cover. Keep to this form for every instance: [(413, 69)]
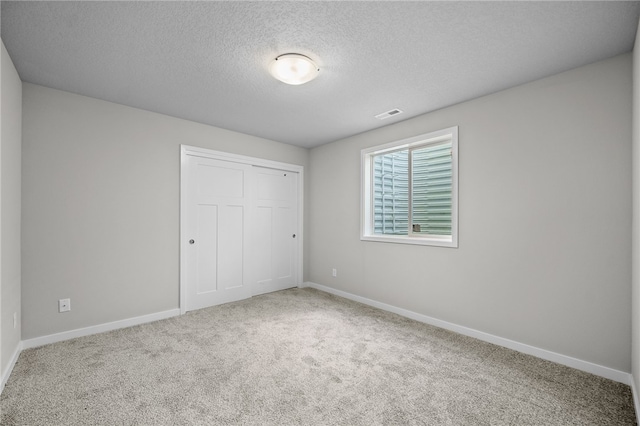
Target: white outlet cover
[(64, 305)]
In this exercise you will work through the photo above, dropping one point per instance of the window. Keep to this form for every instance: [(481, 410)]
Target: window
[(409, 190)]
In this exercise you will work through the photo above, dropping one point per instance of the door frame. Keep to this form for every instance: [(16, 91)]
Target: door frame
[(185, 152)]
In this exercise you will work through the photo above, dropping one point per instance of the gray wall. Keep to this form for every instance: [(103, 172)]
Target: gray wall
[(635, 316), (545, 214), (545, 218), (10, 163), (101, 206)]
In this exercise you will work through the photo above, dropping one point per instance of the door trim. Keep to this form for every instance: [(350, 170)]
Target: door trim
[(185, 152)]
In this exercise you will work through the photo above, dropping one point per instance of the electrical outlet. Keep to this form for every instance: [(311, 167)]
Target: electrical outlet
[(335, 272), (64, 305), (15, 319)]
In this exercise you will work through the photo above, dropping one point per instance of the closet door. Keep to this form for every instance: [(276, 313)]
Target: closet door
[(274, 230), (218, 200)]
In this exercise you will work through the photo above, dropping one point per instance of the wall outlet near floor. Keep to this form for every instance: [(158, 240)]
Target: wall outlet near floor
[(64, 305), (335, 272)]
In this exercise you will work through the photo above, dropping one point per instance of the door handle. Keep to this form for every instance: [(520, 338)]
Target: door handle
[(294, 235), (191, 241)]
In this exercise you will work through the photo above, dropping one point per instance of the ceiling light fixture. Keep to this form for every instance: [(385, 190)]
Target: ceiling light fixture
[(293, 68)]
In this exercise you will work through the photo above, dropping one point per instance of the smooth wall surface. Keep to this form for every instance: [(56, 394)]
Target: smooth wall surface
[(10, 193), (544, 255), (101, 206), (635, 313)]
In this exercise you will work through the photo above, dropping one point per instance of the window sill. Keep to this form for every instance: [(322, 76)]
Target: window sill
[(421, 241)]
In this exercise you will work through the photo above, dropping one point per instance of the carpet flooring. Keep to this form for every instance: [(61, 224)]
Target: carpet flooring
[(299, 356)]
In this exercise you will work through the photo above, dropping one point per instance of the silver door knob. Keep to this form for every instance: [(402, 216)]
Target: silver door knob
[(191, 241), (294, 235)]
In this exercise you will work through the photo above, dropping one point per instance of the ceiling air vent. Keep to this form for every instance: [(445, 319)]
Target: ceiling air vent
[(388, 114)]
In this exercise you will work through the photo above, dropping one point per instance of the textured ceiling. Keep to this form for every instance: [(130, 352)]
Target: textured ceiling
[(207, 61)]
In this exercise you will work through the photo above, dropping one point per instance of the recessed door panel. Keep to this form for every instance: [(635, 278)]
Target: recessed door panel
[(230, 246), (274, 186), (284, 228), (206, 250), (221, 181), (262, 252)]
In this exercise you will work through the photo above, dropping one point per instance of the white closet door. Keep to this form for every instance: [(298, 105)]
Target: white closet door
[(275, 228), (217, 213)]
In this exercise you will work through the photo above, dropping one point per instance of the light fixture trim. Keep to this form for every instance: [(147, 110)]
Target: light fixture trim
[(294, 68)]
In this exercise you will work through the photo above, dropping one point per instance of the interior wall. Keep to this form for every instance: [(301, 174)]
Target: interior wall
[(635, 299), (10, 194), (101, 206), (544, 253)]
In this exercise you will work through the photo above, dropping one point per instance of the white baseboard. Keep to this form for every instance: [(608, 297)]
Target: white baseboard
[(7, 372), (80, 332), (599, 370), (636, 403), (101, 328), (589, 367)]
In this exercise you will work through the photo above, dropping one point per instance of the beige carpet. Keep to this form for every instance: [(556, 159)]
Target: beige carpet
[(299, 357)]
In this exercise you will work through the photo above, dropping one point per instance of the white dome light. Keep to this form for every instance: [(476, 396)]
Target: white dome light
[(292, 68)]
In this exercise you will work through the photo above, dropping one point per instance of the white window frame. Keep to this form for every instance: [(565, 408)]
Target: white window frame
[(366, 189)]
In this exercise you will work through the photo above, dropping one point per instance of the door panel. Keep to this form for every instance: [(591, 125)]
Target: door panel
[(276, 206), (262, 246), (230, 246), (276, 186), (221, 180), (283, 243), (207, 250), (240, 226), (218, 199)]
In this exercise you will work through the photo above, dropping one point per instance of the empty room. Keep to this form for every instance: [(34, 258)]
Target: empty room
[(319, 213)]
